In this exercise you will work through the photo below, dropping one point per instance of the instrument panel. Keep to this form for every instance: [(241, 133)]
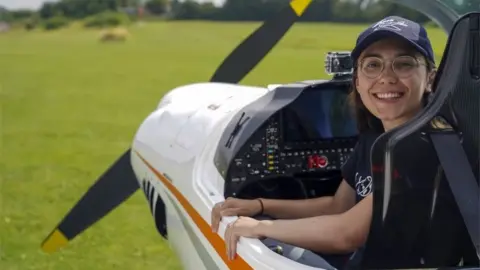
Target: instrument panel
[(315, 133)]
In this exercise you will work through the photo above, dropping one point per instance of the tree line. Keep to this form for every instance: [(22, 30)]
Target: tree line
[(344, 11)]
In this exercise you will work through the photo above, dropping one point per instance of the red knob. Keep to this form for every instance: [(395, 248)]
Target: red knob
[(321, 161)]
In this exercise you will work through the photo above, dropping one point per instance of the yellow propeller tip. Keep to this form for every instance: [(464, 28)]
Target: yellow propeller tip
[(54, 241), (299, 6)]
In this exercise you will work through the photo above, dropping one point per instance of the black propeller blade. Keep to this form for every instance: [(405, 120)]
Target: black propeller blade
[(254, 48), (115, 186)]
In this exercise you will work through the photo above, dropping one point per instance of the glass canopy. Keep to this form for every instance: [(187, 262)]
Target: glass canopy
[(462, 7)]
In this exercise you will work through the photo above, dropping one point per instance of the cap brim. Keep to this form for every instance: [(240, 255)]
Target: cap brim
[(378, 35)]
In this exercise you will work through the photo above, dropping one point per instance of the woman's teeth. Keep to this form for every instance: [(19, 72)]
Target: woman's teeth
[(389, 95)]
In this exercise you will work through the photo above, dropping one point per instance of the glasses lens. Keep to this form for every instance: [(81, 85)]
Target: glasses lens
[(404, 65), (372, 66)]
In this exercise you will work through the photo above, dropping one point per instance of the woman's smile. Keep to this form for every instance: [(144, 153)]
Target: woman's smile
[(388, 96)]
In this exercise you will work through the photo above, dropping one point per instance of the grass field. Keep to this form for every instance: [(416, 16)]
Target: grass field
[(70, 105)]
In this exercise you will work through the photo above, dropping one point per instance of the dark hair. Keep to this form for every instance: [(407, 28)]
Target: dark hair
[(366, 121)]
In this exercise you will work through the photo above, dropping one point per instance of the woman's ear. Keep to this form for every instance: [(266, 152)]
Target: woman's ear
[(355, 81), (431, 80)]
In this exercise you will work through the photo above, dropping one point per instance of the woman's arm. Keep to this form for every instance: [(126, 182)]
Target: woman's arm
[(340, 233), (343, 200)]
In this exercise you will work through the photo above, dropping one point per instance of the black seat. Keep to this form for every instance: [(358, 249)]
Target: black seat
[(419, 219)]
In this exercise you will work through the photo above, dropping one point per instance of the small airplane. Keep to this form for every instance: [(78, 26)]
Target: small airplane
[(208, 141)]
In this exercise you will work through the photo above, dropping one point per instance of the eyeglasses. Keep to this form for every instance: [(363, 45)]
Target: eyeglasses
[(403, 66)]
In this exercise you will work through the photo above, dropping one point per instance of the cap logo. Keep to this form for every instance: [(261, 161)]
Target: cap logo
[(390, 24)]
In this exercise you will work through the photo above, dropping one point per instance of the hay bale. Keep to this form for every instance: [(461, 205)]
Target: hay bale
[(115, 35)]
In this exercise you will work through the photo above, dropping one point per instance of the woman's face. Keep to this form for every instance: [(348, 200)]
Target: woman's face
[(392, 91)]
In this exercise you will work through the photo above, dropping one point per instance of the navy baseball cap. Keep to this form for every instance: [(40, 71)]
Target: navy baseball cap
[(395, 26)]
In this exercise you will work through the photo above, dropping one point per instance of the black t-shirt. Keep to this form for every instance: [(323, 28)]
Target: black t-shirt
[(357, 173), (357, 169)]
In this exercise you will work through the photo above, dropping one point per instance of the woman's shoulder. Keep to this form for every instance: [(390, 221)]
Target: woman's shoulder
[(364, 145), (366, 139)]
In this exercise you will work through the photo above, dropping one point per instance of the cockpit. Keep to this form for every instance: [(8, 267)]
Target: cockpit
[(302, 131)]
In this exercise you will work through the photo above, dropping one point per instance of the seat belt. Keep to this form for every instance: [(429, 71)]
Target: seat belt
[(461, 180)]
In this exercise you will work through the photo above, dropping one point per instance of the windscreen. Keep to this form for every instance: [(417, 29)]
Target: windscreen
[(318, 115), (462, 7)]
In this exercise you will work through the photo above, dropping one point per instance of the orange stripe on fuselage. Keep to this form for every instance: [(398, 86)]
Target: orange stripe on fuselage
[(215, 240)]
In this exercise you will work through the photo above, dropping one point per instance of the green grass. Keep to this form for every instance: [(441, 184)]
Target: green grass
[(70, 106)]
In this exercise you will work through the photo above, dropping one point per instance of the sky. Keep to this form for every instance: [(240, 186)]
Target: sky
[(35, 4), (16, 4)]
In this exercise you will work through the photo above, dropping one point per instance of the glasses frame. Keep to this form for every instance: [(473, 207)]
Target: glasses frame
[(392, 65)]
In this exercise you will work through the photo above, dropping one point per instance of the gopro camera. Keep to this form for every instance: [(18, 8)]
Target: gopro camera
[(338, 63)]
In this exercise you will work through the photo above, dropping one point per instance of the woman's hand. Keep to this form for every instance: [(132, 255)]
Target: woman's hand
[(243, 226), (234, 207)]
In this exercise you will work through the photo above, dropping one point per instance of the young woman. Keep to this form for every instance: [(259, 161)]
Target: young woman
[(394, 68)]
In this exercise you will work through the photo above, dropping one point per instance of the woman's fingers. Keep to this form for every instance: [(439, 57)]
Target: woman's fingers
[(228, 231), (229, 212), (216, 215), (231, 239), (221, 210), (233, 244)]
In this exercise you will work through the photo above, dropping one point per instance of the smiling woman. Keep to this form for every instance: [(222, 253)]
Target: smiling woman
[(393, 72)]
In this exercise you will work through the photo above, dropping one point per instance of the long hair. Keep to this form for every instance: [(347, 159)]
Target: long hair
[(366, 121)]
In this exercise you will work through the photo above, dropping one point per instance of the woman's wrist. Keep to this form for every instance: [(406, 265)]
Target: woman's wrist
[(262, 207), (262, 228)]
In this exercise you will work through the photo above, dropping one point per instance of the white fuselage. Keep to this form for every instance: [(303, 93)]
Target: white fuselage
[(174, 150)]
